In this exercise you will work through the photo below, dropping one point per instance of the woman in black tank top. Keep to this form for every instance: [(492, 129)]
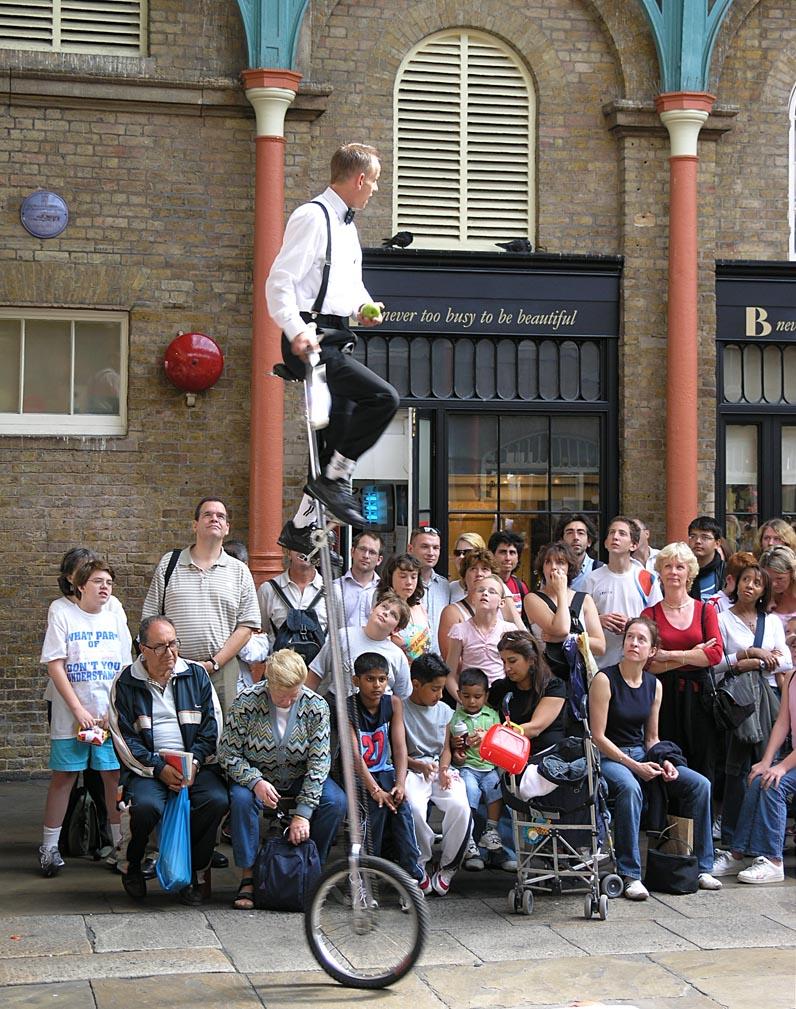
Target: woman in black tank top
[(624, 701)]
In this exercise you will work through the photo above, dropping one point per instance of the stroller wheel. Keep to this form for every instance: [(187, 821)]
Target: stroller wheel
[(611, 885), (527, 902), (588, 907), (513, 901), (603, 907)]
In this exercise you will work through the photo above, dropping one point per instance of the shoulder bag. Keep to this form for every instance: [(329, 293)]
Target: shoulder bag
[(735, 698), (668, 872)]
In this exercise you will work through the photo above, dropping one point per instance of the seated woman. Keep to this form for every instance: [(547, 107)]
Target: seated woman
[(760, 830), (401, 575), (276, 743), (624, 701)]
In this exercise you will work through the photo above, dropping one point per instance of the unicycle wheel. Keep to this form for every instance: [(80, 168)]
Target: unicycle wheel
[(366, 922)]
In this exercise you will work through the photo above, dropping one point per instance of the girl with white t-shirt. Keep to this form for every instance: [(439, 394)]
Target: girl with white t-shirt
[(85, 647)]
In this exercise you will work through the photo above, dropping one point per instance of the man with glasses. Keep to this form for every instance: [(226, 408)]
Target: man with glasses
[(425, 544), (163, 703), (299, 587), (704, 534), (209, 597), (357, 587)]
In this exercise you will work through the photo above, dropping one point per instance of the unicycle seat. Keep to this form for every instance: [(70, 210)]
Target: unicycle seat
[(281, 370)]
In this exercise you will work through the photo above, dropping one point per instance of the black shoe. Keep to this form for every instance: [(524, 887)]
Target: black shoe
[(134, 885), (299, 540), (191, 895), (149, 868), (337, 498), (218, 860)]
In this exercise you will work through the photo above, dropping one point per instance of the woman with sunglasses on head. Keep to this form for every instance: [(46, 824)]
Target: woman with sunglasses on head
[(464, 544), (401, 575), (476, 565)]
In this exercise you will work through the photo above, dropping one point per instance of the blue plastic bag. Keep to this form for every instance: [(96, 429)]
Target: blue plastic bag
[(174, 858)]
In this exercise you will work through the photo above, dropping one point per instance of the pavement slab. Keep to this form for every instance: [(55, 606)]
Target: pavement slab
[(113, 933), (57, 995), (186, 991), (627, 937), (309, 991), (761, 977), (495, 943), (734, 932), (30, 970), (42, 935), (258, 941)]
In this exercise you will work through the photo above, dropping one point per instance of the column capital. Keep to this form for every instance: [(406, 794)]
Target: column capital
[(270, 92), (684, 113)]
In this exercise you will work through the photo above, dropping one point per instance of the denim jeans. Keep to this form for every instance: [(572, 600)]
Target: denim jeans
[(245, 809), (481, 783), (761, 823), (693, 791), (399, 828)]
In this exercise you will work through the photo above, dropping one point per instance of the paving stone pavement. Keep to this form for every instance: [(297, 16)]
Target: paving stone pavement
[(77, 938)]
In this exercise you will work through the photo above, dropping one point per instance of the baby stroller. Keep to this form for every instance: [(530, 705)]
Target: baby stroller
[(561, 837)]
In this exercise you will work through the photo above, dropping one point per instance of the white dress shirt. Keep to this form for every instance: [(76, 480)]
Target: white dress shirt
[(295, 278)]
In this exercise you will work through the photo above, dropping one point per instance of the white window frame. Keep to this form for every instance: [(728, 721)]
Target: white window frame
[(63, 18), (460, 230), (792, 175), (69, 424)]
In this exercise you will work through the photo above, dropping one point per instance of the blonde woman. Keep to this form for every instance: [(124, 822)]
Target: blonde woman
[(780, 563), (690, 641), (275, 744), (774, 533), (464, 544)]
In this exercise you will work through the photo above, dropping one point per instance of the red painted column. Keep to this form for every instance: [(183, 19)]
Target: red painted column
[(683, 114), (270, 93)]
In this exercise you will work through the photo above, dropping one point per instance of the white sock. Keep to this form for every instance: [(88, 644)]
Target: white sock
[(50, 836), (116, 834), (305, 516), (339, 467)]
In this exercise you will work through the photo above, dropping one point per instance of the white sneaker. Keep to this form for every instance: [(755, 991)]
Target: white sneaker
[(50, 860), (715, 829), (472, 857), (708, 882), (725, 865), (762, 871), (490, 839), (635, 889), (441, 882)]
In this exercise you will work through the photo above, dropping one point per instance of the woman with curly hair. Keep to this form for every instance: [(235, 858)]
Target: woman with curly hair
[(401, 575)]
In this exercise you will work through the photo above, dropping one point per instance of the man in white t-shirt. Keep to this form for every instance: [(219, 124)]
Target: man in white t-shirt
[(621, 589)]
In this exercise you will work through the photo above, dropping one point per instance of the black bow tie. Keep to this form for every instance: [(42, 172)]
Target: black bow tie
[(349, 216)]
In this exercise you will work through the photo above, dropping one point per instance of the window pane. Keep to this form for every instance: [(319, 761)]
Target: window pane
[(48, 366), (528, 371), (420, 368), (752, 374), (463, 373), (441, 379), (570, 371), (485, 369), (590, 372), (575, 463), (524, 456), (732, 375), (741, 482), (772, 374), (506, 369), (398, 356), (9, 373), (472, 463), (788, 469), (548, 370), (789, 368), (97, 367)]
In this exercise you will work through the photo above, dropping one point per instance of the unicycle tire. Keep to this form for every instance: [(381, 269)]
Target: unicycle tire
[(366, 929)]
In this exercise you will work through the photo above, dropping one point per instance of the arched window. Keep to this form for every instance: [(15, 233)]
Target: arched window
[(464, 143)]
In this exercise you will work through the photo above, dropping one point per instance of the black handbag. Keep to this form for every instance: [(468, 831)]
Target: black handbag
[(735, 698), (668, 872)]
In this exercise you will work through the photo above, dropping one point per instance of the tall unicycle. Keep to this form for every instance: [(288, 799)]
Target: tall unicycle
[(365, 919)]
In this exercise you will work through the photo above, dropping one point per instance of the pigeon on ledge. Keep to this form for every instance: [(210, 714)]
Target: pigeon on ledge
[(399, 240), (516, 245)]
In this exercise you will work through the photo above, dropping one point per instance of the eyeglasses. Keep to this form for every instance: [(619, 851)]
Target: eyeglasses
[(172, 646), (366, 552), (461, 553), (701, 537)]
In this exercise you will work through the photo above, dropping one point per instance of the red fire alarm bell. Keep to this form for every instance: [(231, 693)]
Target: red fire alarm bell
[(193, 362)]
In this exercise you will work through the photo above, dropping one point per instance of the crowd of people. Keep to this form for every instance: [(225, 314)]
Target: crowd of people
[(241, 680)]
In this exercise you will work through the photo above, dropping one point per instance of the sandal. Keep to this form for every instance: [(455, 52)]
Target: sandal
[(245, 895)]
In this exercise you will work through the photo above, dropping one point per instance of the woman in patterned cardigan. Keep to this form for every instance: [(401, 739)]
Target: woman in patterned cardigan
[(276, 744)]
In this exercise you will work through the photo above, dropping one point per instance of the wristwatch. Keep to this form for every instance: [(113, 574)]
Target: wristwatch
[(214, 664)]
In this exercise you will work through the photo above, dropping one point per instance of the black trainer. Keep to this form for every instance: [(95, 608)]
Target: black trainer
[(134, 885), (337, 498), (299, 540)]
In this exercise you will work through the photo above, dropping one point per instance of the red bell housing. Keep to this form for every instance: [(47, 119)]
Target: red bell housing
[(193, 362)]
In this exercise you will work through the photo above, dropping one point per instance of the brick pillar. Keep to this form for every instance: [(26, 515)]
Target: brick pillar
[(270, 93), (683, 113)]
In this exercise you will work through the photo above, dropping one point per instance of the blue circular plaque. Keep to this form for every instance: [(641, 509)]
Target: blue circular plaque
[(44, 214)]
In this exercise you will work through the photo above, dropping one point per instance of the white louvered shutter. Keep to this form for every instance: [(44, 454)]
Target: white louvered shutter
[(105, 27), (464, 160)]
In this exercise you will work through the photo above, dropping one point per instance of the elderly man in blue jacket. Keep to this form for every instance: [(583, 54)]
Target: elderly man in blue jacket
[(163, 703)]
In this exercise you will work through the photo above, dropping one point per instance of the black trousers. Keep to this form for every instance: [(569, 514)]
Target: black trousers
[(147, 798), (362, 403)]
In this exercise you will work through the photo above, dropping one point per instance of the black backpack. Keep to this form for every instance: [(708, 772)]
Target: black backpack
[(301, 630), (80, 832)]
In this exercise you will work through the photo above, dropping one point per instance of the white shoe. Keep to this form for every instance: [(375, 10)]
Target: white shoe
[(441, 882), (472, 857), (716, 828), (708, 882), (635, 889), (490, 839), (762, 871), (725, 865)]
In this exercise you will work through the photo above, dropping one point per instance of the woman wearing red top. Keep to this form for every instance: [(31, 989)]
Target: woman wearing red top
[(690, 641)]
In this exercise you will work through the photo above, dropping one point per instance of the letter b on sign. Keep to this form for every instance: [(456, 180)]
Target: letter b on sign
[(756, 324)]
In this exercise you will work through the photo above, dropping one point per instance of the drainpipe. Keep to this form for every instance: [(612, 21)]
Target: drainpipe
[(270, 93), (683, 113)]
